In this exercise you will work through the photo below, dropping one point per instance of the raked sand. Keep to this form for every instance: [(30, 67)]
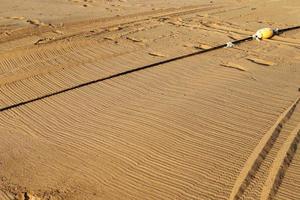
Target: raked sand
[(216, 126)]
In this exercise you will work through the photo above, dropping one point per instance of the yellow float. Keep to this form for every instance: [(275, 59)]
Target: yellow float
[(264, 33)]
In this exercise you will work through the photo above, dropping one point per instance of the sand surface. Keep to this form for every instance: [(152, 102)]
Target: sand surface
[(221, 125)]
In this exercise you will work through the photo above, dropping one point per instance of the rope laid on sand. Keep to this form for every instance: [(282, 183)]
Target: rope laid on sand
[(227, 45)]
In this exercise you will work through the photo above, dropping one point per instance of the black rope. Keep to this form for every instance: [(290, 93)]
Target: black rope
[(288, 29), (135, 70)]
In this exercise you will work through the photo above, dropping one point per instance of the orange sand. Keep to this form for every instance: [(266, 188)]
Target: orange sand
[(220, 125)]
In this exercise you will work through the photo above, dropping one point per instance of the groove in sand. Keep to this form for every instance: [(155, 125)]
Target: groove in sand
[(280, 164), (259, 153), (121, 74)]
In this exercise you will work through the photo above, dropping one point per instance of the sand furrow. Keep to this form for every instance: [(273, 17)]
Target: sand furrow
[(78, 68), (260, 152), (280, 165), (179, 130), (68, 59), (111, 23), (289, 187), (138, 143), (14, 89)]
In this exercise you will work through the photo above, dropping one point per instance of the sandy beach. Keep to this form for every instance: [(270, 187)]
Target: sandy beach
[(79, 122)]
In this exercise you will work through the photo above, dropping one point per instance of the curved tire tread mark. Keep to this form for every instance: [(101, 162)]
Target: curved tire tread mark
[(280, 164), (260, 152)]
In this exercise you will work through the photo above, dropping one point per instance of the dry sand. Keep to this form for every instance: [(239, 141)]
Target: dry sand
[(220, 125)]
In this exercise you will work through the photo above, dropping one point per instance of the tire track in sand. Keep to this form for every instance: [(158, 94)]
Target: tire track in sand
[(280, 164), (146, 134), (255, 167), (108, 23), (289, 185)]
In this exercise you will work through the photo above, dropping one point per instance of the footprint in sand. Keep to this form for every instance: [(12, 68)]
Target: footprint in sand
[(156, 54), (203, 46), (112, 38), (81, 1), (204, 15), (30, 21), (16, 17), (35, 22), (135, 39), (43, 41), (58, 32), (189, 45), (261, 61), (26, 196), (5, 33), (176, 23), (85, 2), (111, 29), (233, 66)]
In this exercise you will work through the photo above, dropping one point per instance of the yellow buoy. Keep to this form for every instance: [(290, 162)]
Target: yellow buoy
[(264, 33)]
